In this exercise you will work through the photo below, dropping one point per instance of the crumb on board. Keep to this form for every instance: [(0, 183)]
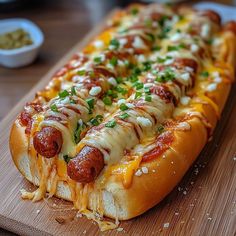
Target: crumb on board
[(166, 225), (120, 229), (37, 212)]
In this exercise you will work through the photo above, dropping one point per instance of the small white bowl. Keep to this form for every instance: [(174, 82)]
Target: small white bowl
[(23, 56)]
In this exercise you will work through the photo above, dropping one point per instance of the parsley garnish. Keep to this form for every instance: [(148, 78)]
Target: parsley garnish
[(138, 94), (78, 131), (123, 107), (134, 11), (107, 101), (90, 102), (97, 60), (110, 124), (63, 94), (73, 90), (54, 107), (148, 98), (81, 72), (115, 43), (67, 158), (205, 74), (160, 129), (113, 61), (124, 116)]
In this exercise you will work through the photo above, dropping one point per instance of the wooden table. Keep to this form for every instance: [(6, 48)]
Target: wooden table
[(64, 23)]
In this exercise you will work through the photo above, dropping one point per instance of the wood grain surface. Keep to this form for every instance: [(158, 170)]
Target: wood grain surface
[(204, 203)]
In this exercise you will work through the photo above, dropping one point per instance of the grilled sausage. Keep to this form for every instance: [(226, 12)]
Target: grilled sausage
[(86, 166), (230, 26), (48, 141), (212, 15)]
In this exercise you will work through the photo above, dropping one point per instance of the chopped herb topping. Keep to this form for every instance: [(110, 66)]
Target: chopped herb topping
[(138, 85), (148, 98), (97, 60), (107, 101), (111, 93), (160, 129), (134, 11), (73, 90), (205, 74), (113, 61), (115, 43), (81, 72), (124, 116), (175, 48), (111, 124), (156, 48), (96, 120), (54, 108), (151, 37), (147, 65), (119, 80), (90, 102), (166, 75), (63, 94), (78, 131), (121, 90), (210, 41), (147, 90), (67, 158), (162, 21), (123, 107), (148, 22), (138, 94)]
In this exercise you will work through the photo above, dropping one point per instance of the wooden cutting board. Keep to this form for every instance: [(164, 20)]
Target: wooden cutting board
[(204, 203)]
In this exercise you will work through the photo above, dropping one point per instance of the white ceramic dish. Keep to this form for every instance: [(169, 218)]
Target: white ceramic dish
[(21, 56)]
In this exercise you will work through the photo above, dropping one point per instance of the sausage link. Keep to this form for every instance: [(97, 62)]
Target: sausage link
[(86, 166), (48, 141), (212, 15), (230, 26), (186, 62)]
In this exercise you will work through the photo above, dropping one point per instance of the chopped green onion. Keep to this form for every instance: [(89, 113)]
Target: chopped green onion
[(160, 129), (107, 101), (161, 22), (78, 131), (151, 37), (115, 43), (147, 90), (124, 116), (94, 121), (97, 60), (119, 80), (81, 72), (90, 102), (148, 22), (161, 60), (136, 71), (138, 94), (110, 124), (134, 11), (54, 108), (73, 90), (67, 158), (148, 98), (147, 65), (156, 48), (113, 61), (121, 90), (172, 48), (205, 74), (138, 85), (63, 94), (123, 107)]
